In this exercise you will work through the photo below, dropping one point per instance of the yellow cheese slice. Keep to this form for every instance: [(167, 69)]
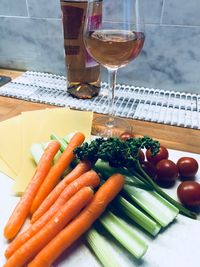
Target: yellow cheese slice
[(11, 143), (61, 121), (32, 127), (6, 170)]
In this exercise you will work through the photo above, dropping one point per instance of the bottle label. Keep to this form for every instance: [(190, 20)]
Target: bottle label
[(73, 17), (95, 21), (72, 50), (72, 21)]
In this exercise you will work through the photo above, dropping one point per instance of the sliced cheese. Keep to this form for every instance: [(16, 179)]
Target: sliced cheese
[(37, 127)]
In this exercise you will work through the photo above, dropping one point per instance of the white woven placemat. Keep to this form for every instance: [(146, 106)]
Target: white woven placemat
[(167, 107)]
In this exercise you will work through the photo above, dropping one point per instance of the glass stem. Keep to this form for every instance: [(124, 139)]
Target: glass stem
[(112, 73)]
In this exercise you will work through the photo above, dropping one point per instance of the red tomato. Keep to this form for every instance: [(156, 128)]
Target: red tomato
[(149, 168), (126, 135), (162, 154), (189, 193), (187, 167), (141, 156), (167, 171)]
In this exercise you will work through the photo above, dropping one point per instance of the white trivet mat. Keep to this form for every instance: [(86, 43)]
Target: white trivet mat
[(167, 107)]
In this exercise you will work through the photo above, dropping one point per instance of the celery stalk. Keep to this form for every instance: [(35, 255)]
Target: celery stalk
[(62, 142), (106, 170), (154, 204), (36, 152), (101, 248), (126, 235), (131, 211), (58, 154), (138, 216), (56, 157)]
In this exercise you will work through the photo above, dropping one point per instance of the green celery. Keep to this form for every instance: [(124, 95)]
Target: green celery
[(137, 216), (106, 170), (154, 204), (56, 157), (62, 142), (125, 234), (36, 152), (58, 154), (101, 248)]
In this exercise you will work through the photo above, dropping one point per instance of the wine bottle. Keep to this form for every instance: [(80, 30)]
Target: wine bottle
[(83, 72)]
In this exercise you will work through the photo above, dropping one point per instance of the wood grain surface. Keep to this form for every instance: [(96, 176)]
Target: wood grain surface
[(179, 138)]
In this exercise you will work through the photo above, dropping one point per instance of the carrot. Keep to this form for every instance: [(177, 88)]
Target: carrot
[(89, 178), (29, 249), (22, 209), (81, 167), (80, 224), (57, 170)]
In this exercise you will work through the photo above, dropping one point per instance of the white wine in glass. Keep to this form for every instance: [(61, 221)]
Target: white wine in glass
[(116, 41)]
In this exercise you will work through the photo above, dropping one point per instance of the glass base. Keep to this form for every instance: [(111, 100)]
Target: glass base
[(110, 127)]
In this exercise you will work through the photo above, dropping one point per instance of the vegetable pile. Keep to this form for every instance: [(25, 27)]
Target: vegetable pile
[(89, 189), (125, 155)]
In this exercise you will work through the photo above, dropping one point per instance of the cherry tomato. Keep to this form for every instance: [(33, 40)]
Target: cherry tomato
[(162, 154), (189, 193), (141, 156), (149, 168), (126, 135), (187, 167), (167, 171)]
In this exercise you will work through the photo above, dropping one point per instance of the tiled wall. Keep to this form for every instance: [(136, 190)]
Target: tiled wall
[(31, 38), (31, 35)]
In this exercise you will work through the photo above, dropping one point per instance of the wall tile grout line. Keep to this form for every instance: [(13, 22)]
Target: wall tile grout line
[(173, 25), (162, 12), (12, 16), (24, 17), (27, 7)]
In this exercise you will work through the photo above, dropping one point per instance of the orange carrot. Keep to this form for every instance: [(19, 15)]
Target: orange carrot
[(89, 178), (22, 209), (81, 167), (57, 170), (80, 224), (29, 249)]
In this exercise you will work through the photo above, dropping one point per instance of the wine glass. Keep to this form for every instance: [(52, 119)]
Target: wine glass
[(113, 40)]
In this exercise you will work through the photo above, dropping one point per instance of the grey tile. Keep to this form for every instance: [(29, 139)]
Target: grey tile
[(13, 8), (32, 44), (44, 8), (168, 61), (181, 12), (152, 10)]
